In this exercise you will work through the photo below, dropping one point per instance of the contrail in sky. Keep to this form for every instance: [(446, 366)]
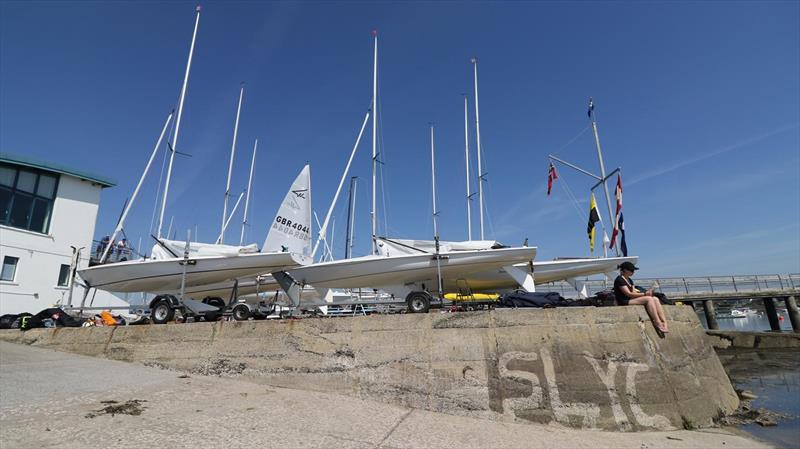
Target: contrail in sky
[(677, 165)]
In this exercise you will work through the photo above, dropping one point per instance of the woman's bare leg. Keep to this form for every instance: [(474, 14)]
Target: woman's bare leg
[(661, 315), (650, 307)]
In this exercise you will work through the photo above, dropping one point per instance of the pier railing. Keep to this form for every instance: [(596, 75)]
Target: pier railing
[(690, 286)]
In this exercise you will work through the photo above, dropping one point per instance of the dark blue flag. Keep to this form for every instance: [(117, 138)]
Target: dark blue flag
[(622, 244)]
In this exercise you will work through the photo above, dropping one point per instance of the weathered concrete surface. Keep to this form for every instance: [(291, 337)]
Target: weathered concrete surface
[(49, 410), (601, 368), (723, 339)]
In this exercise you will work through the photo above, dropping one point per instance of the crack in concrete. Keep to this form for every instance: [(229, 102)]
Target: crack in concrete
[(394, 427)]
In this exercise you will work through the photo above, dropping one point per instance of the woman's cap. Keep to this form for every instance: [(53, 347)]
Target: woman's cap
[(627, 266)]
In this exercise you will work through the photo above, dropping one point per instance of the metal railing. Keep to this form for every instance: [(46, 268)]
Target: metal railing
[(691, 285), (117, 253)]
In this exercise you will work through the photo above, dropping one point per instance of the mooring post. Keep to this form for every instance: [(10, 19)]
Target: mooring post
[(772, 314), (794, 314), (711, 315)]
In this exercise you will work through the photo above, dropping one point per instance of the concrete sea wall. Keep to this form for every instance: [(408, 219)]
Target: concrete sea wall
[(586, 367)]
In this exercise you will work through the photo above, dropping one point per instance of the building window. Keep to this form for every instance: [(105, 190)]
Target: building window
[(26, 198), (9, 271), (63, 276)]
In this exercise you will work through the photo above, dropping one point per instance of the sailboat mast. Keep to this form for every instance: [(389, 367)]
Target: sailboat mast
[(121, 222), (478, 143), (433, 187), (230, 166), (466, 159), (374, 140), (178, 121), (324, 228), (602, 164), (351, 212), (247, 198), (435, 216)]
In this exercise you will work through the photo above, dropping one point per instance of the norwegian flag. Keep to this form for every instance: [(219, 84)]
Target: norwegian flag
[(552, 175), (618, 214)]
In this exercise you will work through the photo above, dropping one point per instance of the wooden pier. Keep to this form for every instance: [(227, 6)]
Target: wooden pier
[(709, 290)]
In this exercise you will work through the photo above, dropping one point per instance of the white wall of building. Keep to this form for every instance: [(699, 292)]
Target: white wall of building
[(35, 286)]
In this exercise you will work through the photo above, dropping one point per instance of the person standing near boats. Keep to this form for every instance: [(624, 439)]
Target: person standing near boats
[(627, 294)]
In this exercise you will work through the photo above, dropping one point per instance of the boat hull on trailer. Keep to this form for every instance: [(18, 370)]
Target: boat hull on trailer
[(161, 276), (404, 273), (493, 281), (543, 272)]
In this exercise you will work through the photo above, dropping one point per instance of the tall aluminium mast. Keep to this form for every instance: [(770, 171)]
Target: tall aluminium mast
[(466, 159), (230, 166), (478, 143), (433, 188), (178, 121), (121, 222), (374, 140), (351, 212), (247, 198)]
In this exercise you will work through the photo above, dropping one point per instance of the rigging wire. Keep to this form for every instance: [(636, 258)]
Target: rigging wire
[(575, 202), (383, 162), (571, 141)]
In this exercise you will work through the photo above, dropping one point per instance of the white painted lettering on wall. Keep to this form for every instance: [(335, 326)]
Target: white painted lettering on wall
[(586, 413)]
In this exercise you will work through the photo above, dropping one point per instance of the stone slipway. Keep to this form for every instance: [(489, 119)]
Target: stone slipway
[(599, 368)]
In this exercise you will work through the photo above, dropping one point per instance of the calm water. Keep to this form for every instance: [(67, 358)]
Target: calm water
[(774, 376), (749, 323)]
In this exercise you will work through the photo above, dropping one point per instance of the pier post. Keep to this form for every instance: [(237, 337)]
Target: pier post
[(711, 315), (794, 314), (772, 314)]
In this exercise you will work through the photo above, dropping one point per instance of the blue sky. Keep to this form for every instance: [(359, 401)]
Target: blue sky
[(698, 102)]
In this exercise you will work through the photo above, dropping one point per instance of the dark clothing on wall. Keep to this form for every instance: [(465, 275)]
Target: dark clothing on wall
[(620, 282)]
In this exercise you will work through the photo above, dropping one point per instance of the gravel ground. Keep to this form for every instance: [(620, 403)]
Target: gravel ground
[(50, 399)]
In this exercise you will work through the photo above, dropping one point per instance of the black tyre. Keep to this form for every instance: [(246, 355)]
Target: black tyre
[(162, 312), (241, 312), (418, 302), (216, 314)]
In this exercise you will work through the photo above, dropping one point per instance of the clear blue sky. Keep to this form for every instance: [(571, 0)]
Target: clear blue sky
[(698, 102)]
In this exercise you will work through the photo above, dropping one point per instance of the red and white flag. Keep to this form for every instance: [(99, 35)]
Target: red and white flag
[(618, 214), (552, 175)]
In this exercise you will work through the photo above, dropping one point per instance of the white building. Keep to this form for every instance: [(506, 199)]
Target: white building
[(47, 211)]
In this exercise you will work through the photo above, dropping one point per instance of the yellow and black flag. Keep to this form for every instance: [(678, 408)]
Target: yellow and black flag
[(594, 217)]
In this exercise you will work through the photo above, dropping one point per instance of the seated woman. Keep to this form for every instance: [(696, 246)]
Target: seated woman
[(626, 293)]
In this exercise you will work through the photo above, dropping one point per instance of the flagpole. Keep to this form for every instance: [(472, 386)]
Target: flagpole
[(602, 166)]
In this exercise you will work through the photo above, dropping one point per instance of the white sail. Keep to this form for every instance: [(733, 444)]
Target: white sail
[(291, 229)]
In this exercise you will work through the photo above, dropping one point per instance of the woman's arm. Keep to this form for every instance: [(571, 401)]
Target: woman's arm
[(630, 293)]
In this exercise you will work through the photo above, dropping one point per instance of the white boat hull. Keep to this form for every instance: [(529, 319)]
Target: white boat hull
[(492, 281), (404, 273), (161, 276)]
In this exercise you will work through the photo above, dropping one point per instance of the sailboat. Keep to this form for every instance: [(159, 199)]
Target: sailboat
[(206, 264), (496, 281)]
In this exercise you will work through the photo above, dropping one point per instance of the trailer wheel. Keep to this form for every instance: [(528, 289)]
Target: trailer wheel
[(216, 302), (162, 312), (241, 312), (418, 302)]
